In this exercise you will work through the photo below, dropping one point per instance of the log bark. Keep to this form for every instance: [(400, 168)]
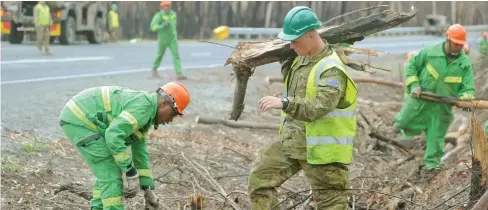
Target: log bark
[(482, 203), (475, 103), (242, 124), (479, 174), (249, 55)]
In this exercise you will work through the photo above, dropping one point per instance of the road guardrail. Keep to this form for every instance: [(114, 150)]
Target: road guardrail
[(262, 33)]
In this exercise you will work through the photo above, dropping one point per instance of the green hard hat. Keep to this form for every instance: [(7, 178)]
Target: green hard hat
[(298, 21)]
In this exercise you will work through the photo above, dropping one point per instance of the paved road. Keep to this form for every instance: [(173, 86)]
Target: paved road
[(21, 64)]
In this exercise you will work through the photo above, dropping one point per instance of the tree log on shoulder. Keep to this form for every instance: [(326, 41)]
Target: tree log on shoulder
[(249, 55)]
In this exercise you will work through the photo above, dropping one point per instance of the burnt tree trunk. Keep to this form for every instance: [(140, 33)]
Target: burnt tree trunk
[(249, 55), (479, 176)]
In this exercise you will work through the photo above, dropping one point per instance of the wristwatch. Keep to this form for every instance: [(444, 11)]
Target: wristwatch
[(285, 102)]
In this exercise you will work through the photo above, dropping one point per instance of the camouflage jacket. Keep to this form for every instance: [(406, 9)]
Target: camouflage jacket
[(301, 110)]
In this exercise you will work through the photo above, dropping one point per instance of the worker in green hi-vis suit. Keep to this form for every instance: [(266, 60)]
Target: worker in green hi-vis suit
[(164, 22)]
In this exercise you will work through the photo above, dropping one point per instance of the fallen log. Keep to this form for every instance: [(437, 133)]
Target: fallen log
[(482, 203), (479, 172), (249, 55), (242, 124), (271, 79), (460, 103)]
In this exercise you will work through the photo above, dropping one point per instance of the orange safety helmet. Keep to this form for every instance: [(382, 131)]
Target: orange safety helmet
[(165, 3), (179, 93), (457, 34), (485, 34), (466, 48)]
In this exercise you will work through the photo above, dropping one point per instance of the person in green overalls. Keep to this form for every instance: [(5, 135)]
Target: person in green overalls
[(108, 126), (442, 69), (483, 42), (164, 22)]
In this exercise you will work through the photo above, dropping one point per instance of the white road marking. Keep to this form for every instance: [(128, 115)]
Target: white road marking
[(100, 74), (201, 54), (56, 60)]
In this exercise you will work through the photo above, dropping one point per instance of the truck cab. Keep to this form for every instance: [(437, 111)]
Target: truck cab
[(70, 20)]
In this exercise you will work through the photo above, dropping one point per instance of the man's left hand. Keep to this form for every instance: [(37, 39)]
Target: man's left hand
[(269, 102)]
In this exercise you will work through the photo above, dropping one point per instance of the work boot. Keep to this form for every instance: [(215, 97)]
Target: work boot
[(154, 74), (428, 174), (180, 76)]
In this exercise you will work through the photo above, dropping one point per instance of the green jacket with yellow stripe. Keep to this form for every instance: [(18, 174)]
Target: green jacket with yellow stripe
[(157, 24), (122, 116), (431, 70)]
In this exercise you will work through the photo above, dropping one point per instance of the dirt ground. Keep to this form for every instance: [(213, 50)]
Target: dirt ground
[(213, 161)]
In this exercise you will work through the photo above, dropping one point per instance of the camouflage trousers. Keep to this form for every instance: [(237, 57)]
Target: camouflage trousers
[(275, 167), (114, 34), (43, 38)]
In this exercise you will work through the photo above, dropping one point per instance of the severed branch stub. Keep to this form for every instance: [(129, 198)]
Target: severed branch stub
[(249, 55)]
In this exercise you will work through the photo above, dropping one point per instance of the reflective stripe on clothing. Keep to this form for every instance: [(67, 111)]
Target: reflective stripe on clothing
[(131, 119), (330, 140), (80, 114), (432, 71), (113, 201), (145, 172), (449, 79), (121, 157), (339, 113), (96, 194), (411, 80)]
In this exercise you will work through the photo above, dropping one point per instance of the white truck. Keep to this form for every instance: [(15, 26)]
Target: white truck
[(71, 20)]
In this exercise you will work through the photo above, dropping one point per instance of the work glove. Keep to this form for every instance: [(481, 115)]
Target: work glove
[(416, 92), (132, 186), (165, 25), (152, 203)]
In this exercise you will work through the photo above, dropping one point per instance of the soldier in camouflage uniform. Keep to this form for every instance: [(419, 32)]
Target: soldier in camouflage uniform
[(319, 120)]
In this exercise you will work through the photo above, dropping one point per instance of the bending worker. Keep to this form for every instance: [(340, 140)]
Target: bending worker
[(319, 124), (164, 22), (443, 69), (43, 22), (102, 122)]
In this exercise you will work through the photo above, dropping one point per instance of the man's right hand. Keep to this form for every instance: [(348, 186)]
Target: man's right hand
[(416, 92), (132, 186)]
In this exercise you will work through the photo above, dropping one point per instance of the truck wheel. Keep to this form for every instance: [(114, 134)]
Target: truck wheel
[(52, 39), (68, 31), (15, 37), (96, 35)]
